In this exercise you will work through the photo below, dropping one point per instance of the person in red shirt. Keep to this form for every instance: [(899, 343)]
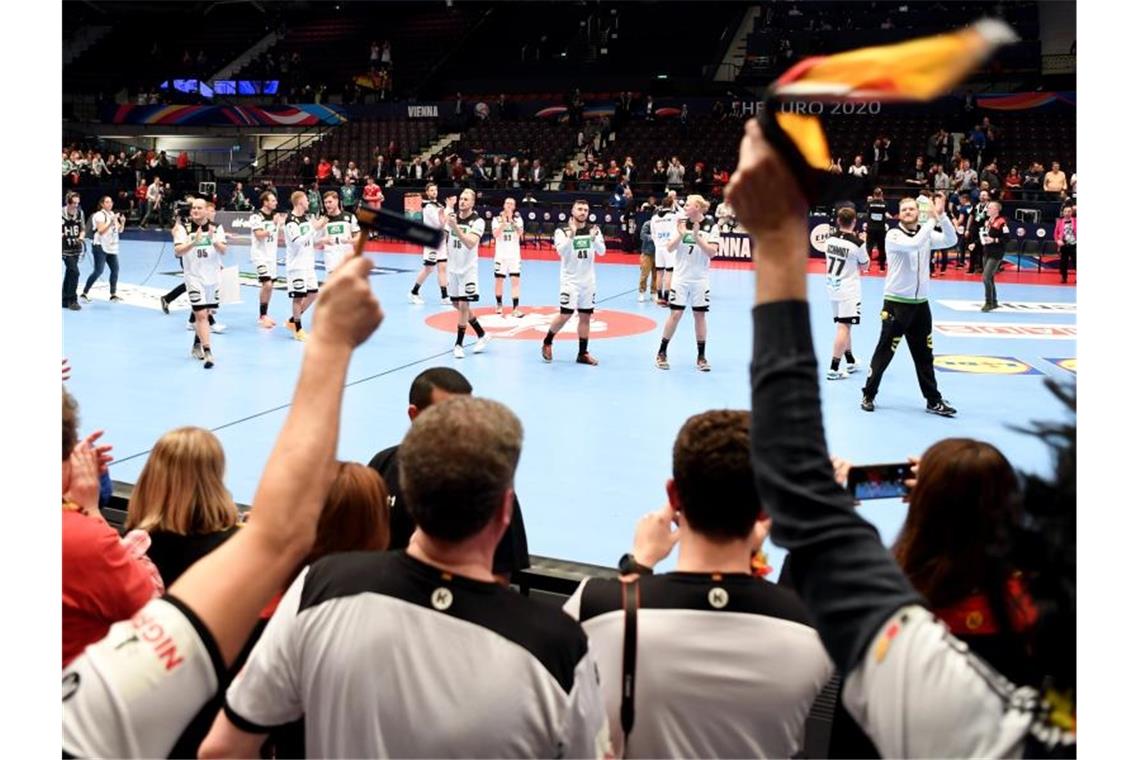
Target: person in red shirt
[(324, 171), (183, 160), (372, 197), (140, 196), (103, 580)]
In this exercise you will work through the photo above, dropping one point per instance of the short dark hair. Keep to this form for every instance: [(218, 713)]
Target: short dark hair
[(583, 201), (333, 193), (444, 378), (265, 196), (712, 472), (457, 463), (845, 216)]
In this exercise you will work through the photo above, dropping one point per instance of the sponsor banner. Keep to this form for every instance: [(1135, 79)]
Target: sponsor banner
[(535, 323), (734, 246), (1006, 330), (1069, 365), (1019, 307), (307, 115), (423, 111), (983, 365)]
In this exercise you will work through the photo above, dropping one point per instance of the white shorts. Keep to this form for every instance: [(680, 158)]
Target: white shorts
[(333, 260), (663, 258), (432, 256), (266, 269), (301, 281), (463, 286), (694, 293), (202, 295), (847, 312), (508, 265), (576, 297)]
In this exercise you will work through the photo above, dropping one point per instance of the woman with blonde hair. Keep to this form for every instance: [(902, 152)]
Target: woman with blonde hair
[(180, 499)]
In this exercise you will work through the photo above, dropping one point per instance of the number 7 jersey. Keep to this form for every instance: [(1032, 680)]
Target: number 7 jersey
[(845, 255)]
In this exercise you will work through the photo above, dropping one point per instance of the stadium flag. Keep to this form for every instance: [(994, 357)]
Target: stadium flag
[(916, 70)]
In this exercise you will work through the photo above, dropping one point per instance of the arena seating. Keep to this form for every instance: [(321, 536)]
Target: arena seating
[(553, 144)]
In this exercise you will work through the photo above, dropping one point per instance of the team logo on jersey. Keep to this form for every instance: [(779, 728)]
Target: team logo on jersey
[(441, 598), (1069, 365), (718, 598), (983, 365), (535, 323)]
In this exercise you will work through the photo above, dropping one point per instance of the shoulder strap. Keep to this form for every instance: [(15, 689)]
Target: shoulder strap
[(630, 599)]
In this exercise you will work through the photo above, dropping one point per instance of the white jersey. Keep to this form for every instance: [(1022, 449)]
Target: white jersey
[(386, 656), (108, 240), (264, 250), (577, 251), (202, 262), (662, 226), (727, 666), (431, 211), (846, 254), (299, 238), (507, 245), (460, 257), (339, 233), (692, 263), (908, 259)]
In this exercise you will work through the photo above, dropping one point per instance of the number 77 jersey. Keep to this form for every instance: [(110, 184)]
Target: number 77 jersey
[(845, 255)]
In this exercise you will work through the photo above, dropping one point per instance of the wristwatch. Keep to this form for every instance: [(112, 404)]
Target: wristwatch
[(628, 565)]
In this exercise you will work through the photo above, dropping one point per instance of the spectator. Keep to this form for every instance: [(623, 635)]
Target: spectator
[(880, 155), (537, 176), (938, 146), (659, 177), (434, 386), (307, 173), (459, 173), (1055, 180), (692, 659), (977, 143), (479, 176), (104, 581), (648, 274), (629, 170), (1065, 235), (374, 56), (1012, 183), (965, 178), (372, 194), (536, 680), (155, 193), (675, 175), (917, 177), (348, 195), (336, 173), (324, 171), (180, 499), (990, 175), (386, 56), (719, 180), (238, 199), (74, 232), (1031, 182), (352, 172), (858, 168), (940, 179)]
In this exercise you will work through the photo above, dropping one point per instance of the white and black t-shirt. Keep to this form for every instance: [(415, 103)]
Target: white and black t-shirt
[(692, 264), (461, 257), (727, 665), (202, 262), (845, 255), (388, 657), (108, 240), (431, 212), (72, 231)]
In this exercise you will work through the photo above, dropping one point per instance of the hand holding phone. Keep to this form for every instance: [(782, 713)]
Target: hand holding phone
[(880, 481)]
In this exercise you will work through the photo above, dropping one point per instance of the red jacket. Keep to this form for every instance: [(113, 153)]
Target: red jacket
[(372, 195), (324, 169), (1059, 229)]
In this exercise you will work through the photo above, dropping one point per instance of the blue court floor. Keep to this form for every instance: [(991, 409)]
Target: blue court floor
[(598, 441)]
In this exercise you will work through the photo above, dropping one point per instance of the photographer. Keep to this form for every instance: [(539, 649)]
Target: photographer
[(154, 195)]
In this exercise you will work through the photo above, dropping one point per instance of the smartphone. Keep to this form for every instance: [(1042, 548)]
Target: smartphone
[(879, 481)]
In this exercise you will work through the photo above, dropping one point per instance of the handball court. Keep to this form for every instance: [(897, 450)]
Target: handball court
[(598, 440)]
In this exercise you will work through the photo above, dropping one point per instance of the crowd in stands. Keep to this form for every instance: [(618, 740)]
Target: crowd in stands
[(387, 628)]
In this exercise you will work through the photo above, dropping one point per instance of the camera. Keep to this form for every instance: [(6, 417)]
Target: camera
[(182, 211)]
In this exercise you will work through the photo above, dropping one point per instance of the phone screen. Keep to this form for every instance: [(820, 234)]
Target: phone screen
[(879, 481)]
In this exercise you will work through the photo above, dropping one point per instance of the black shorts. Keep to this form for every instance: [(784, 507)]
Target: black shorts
[(265, 278), (846, 320)]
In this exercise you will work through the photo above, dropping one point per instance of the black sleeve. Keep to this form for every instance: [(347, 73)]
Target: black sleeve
[(845, 576)]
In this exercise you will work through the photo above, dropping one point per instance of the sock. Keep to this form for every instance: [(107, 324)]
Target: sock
[(478, 328), (850, 357), (191, 320), (700, 349), (205, 348), (664, 346), (499, 301), (416, 289), (459, 333), (835, 364), (582, 343), (443, 291), (197, 340), (516, 302), (264, 309), (297, 321), (211, 319), (549, 339)]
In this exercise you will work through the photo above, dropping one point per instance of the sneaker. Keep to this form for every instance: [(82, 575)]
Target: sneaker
[(197, 352), (291, 326), (942, 409), (499, 310), (703, 365), (86, 298), (457, 352), (115, 298), (218, 328), (640, 297), (547, 353), (164, 304), (518, 314), (266, 321), (209, 360), (853, 367), (836, 374), (416, 298), (662, 361), (300, 335), (586, 358), (480, 345), (868, 404), (74, 307), (988, 307), (444, 301)]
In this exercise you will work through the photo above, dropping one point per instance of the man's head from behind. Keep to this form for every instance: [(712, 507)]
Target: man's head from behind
[(457, 468), (434, 386), (713, 486)]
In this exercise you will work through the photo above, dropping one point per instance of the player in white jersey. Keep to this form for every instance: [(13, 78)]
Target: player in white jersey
[(847, 259), (264, 225), (662, 225), (434, 258), (105, 246), (695, 240), (464, 231), (507, 229), (577, 244), (300, 259), (200, 252), (340, 232)]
